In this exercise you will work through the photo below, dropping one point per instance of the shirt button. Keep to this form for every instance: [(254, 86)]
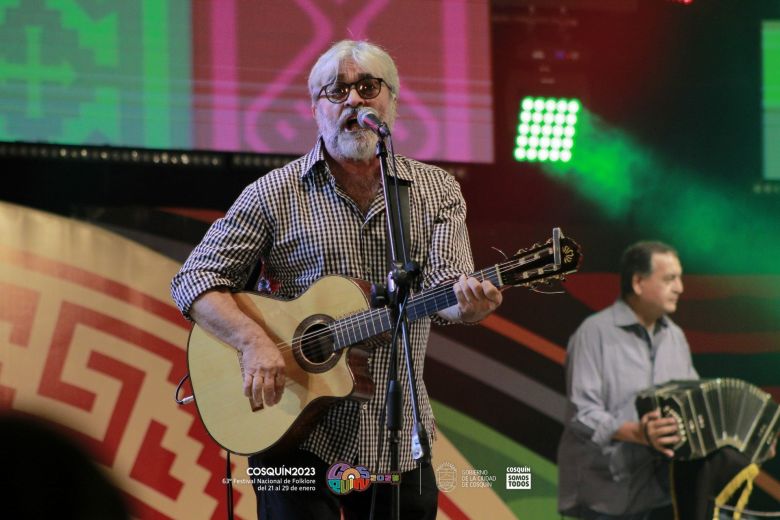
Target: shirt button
[(364, 406)]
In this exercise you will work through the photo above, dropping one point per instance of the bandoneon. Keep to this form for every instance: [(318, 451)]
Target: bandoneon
[(713, 413)]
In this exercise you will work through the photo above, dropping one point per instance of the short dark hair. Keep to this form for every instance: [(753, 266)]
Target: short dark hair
[(637, 259)]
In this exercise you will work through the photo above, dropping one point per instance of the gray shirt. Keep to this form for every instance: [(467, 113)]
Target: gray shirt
[(610, 358)]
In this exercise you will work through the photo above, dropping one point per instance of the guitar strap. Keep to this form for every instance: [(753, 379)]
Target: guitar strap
[(403, 199)]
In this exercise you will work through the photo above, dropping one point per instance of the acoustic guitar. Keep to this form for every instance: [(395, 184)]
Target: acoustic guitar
[(322, 335)]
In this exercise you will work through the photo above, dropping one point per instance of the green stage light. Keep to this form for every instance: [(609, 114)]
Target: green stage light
[(546, 129)]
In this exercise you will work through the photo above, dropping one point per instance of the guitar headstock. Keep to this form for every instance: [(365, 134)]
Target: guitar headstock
[(542, 263)]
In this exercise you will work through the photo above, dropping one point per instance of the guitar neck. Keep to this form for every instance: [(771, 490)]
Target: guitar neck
[(438, 298), (365, 325)]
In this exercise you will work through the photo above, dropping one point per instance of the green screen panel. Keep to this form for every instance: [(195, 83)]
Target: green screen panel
[(113, 73), (771, 98)]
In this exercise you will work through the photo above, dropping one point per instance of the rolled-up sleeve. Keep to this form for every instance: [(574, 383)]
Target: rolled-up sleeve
[(227, 253)]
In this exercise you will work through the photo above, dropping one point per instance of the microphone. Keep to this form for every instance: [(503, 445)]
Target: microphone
[(368, 118)]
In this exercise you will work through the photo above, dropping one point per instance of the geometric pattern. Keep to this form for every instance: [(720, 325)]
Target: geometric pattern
[(89, 340)]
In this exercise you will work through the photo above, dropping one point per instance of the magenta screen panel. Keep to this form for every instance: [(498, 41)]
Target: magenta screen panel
[(251, 60)]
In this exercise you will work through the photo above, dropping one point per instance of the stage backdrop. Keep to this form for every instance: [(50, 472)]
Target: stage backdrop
[(90, 339), (230, 75)]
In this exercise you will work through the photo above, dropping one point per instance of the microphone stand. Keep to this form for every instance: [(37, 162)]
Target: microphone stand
[(398, 289)]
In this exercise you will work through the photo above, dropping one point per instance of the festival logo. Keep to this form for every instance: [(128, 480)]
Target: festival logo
[(518, 477), (343, 478), (446, 477)]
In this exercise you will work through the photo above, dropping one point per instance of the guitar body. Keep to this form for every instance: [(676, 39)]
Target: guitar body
[(324, 336), (315, 375)]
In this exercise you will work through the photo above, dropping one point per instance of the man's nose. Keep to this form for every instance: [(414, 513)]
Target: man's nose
[(353, 98)]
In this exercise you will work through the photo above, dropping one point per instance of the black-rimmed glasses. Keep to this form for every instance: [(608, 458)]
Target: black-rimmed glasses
[(338, 92)]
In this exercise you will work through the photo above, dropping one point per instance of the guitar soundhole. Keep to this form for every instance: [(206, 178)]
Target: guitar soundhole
[(317, 346), (313, 344)]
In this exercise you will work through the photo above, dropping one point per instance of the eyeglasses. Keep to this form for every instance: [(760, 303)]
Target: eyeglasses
[(338, 92)]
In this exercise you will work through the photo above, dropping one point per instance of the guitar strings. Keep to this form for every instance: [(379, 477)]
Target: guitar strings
[(366, 318), (435, 293)]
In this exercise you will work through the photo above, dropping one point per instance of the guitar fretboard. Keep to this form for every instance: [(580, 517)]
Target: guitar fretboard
[(364, 325)]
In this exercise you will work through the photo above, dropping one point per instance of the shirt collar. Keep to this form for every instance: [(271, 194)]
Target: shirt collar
[(625, 317), (313, 159), (316, 159)]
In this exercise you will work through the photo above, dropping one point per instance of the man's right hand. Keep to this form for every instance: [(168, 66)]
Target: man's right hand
[(660, 432), (264, 375), (218, 312)]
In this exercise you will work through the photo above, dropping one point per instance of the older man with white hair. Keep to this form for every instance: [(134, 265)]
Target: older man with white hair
[(323, 214)]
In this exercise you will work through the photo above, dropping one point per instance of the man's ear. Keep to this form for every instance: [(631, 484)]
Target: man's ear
[(636, 285)]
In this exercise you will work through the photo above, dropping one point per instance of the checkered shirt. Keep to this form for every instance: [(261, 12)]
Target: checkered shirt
[(303, 226)]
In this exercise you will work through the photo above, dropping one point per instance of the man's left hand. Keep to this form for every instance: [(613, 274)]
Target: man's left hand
[(660, 432), (476, 299)]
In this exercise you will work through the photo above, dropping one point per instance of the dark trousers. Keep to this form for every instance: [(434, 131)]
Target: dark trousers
[(321, 503), (698, 482)]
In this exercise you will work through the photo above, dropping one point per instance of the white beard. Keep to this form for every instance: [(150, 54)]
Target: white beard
[(354, 146), (358, 145)]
